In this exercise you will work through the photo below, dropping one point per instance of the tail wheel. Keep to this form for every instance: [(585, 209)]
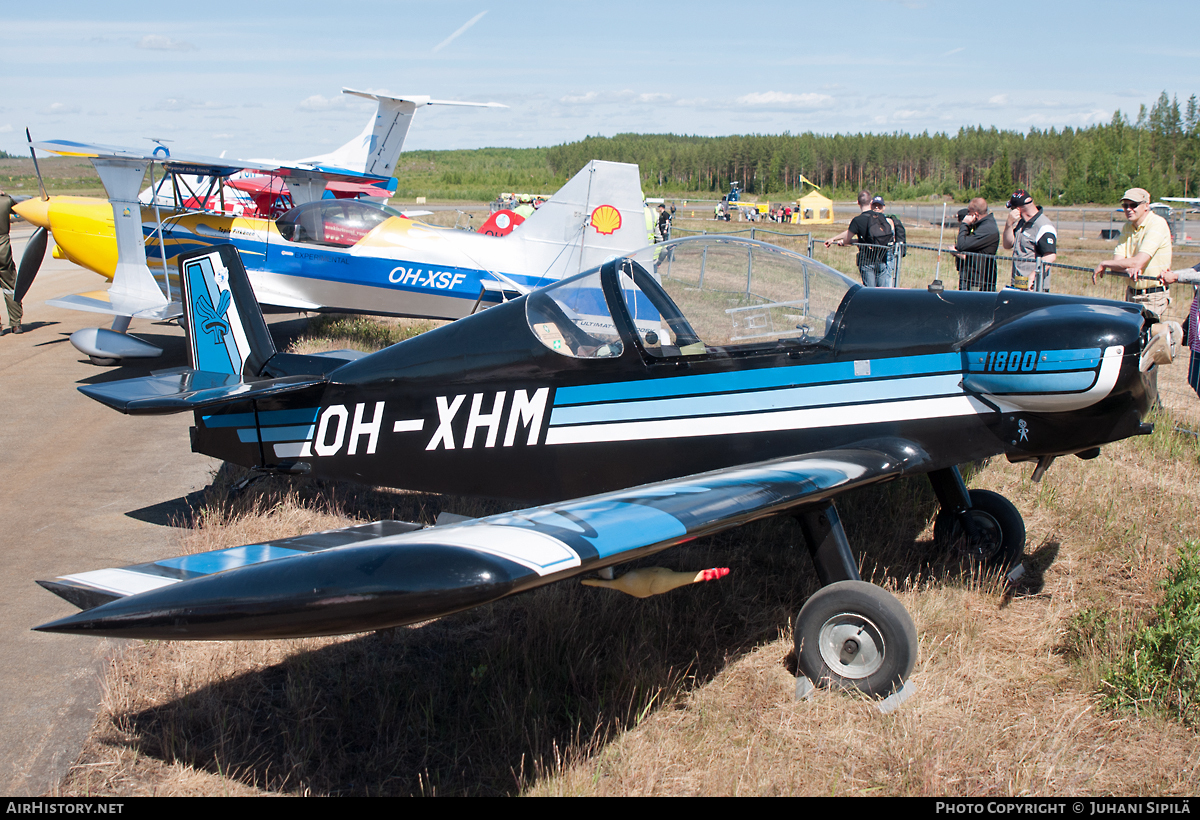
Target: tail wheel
[(999, 538), (854, 635)]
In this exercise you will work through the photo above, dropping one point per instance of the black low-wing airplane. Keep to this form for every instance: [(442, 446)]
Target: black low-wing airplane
[(692, 387)]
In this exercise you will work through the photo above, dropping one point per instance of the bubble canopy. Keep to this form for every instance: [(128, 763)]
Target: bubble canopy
[(698, 296)]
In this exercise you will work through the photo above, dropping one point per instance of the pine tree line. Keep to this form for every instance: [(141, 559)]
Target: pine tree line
[(1159, 151)]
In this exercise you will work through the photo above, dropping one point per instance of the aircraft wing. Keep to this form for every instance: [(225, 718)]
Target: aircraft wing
[(385, 574), (198, 165)]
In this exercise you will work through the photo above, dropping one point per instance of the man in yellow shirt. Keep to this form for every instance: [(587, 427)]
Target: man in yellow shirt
[(1143, 249)]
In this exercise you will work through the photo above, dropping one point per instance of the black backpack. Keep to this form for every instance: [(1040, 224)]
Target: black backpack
[(901, 236), (879, 232)]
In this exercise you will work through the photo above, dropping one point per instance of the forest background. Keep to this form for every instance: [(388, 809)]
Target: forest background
[(1159, 151)]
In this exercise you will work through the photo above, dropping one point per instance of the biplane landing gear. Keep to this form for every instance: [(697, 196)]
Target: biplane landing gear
[(980, 524), (850, 634)]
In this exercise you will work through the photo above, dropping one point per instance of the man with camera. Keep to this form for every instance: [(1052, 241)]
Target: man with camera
[(1031, 236), (975, 249)]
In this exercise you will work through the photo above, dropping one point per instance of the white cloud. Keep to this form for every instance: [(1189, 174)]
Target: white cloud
[(954, 51), (6, 129), (653, 97), (159, 42), (60, 108), (183, 104), (999, 99), (591, 96), (780, 99), (318, 103)]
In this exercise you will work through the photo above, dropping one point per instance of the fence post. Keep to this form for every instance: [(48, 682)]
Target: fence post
[(811, 245), (749, 268)]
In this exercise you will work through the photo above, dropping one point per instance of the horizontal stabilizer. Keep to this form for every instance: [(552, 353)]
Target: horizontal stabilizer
[(394, 578), (111, 304), (185, 389)]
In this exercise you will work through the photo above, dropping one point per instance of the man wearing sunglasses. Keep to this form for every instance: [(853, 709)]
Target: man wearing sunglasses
[(1031, 237), (1143, 252)]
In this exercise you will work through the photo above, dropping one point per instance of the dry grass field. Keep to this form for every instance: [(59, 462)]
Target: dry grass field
[(575, 690)]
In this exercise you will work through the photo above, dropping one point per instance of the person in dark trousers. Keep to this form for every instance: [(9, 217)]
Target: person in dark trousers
[(975, 248), (8, 271), (664, 223)]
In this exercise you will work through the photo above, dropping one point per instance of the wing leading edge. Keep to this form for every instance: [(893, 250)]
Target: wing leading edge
[(386, 574)]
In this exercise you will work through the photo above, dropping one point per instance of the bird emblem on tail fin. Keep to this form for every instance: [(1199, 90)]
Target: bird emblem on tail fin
[(212, 321)]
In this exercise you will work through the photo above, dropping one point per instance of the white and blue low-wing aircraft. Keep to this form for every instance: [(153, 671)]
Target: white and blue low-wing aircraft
[(688, 388)]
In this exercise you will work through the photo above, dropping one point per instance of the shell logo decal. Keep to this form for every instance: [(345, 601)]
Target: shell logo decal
[(606, 219)]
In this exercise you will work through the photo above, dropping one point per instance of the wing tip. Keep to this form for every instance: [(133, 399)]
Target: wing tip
[(83, 597)]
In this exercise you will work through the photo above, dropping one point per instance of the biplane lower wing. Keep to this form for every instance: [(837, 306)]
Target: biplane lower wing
[(386, 574)]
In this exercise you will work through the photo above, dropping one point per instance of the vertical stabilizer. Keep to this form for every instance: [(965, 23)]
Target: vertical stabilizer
[(598, 214), (376, 149), (226, 330)]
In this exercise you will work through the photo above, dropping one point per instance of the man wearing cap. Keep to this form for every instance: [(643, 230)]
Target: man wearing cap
[(874, 234), (1031, 236), (1143, 250)]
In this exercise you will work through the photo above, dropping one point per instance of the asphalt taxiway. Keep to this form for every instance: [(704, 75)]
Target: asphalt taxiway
[(81, 487)]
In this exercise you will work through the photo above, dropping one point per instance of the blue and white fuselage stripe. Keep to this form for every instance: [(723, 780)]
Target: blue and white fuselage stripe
[(827, 395), (821, 395)]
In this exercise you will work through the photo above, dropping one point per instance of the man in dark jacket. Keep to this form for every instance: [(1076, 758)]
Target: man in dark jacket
[(978, 238)]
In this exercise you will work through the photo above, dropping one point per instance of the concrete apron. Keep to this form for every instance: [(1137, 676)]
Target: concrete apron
[(81, 487)]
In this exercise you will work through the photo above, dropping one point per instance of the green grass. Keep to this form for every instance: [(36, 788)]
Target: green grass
[(1159, 670)]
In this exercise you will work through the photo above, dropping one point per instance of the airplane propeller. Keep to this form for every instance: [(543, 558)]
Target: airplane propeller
[(35, 249), (36, 170), (31, 262)]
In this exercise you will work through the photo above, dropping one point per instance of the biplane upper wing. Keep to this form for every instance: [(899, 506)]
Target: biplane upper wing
[(388, 573), (137, 291)]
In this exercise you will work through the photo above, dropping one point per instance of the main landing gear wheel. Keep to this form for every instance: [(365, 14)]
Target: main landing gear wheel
[(102, 361), (854, 635), (999, 530)]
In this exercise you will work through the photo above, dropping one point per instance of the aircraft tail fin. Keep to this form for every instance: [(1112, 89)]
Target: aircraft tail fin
[(376, 149), (233, 357), (226, 332), (598, 214)]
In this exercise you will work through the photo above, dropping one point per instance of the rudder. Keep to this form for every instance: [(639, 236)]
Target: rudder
[(226, 331)]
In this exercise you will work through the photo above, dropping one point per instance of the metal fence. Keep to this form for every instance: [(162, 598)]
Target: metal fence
[(918, 266), (1070, 274), (1069, 223)]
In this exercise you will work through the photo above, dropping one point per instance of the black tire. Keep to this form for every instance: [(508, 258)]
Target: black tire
[(1003, 530), (103, 361), (855, 635)]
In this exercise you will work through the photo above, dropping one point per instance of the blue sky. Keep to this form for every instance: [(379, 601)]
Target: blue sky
[(265, 79)]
